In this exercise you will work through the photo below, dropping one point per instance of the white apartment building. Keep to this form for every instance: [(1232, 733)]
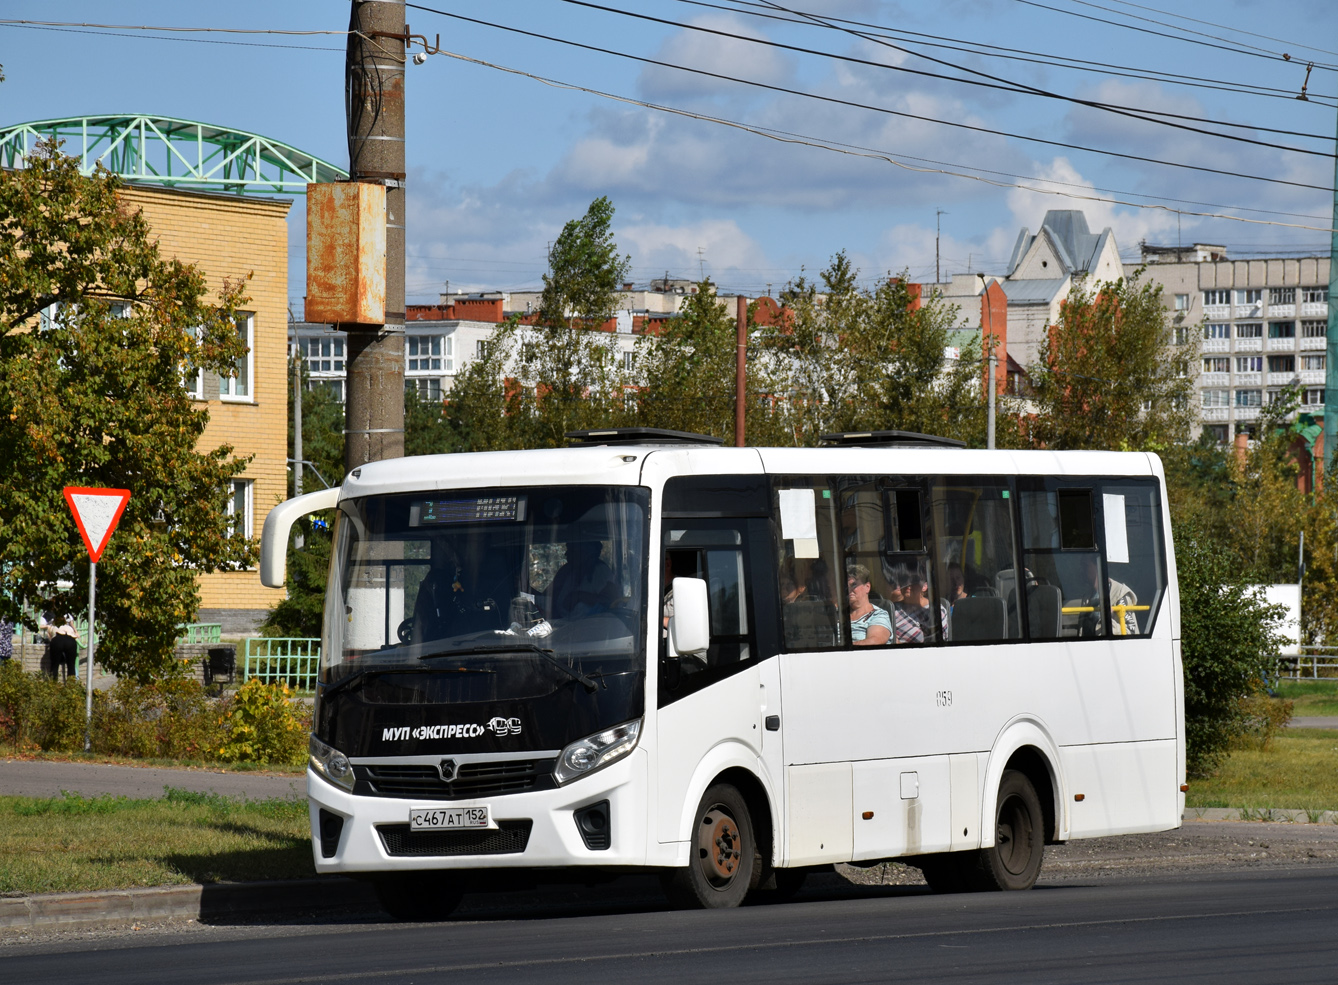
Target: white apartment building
[(1263, 325)]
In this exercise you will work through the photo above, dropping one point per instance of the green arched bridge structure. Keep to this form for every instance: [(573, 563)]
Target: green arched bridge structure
[(161, 150)]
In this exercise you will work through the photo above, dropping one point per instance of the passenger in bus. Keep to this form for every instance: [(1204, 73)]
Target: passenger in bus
[(584, 584), (916, 604), (905, 629), (870, 625), (1118, 593)]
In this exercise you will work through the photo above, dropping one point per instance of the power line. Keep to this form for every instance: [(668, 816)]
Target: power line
[(1005, 85), (1235, 30), (1049, 60), (784, 137), (857, 105), (183, 30), (1160, 34), (157, 37)]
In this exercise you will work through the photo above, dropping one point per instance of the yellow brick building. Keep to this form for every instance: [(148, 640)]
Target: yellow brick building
[(229, 236)]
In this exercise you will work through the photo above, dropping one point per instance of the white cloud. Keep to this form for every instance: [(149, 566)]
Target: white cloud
[(724, 247)]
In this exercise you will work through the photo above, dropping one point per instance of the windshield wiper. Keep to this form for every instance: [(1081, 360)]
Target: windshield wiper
[(527, 646)]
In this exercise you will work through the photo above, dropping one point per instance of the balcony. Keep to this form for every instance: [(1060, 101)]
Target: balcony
[(1282, 345), (1319, 343), (1281, 379), (1249, 379), (1282, 311), (1312, 376), (1314, 309), (1215, 413), (1249, 345), (1214, 380), (1246, 413), (1217, 312), (1216, 345)]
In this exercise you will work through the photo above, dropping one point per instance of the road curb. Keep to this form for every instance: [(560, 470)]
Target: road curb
[(213, 903), (1276, 815)]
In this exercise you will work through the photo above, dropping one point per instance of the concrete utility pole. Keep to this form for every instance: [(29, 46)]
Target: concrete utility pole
[(1331, 348), (374, 101), (741, 372)]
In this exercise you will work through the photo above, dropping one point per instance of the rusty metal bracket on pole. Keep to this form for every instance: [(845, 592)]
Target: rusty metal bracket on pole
[(409, 39)]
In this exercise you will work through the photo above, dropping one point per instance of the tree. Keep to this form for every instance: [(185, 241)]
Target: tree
[(854, 359), (96, 331), (568, 375), (684, 377), (1110, 373)]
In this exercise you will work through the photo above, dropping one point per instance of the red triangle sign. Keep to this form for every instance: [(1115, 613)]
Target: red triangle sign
[(96, 513)]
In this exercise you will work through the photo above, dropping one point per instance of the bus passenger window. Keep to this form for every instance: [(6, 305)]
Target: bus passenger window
[(976, 559), (810, 577), (1134, 553), (1061, 565)]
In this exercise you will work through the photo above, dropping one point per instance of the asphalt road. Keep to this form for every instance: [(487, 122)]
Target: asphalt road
[(1220, 927), (48, 778)]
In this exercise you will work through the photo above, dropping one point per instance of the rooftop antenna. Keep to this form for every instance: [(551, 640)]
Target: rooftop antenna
[(701, 264)]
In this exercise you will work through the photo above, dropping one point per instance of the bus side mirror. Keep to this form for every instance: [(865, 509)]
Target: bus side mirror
[(279, 521), (690, 627)]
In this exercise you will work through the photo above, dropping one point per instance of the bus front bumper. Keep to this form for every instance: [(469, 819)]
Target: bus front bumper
[(373, 836)]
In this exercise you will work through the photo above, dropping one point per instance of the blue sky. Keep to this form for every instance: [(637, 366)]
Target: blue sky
[(498, 162)]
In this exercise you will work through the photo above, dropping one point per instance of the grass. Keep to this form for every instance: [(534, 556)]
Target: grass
[(1297, 770), (1313, 697), (73, 844)]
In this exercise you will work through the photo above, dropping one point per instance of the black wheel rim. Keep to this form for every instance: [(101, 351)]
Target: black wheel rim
[(1013, 837)]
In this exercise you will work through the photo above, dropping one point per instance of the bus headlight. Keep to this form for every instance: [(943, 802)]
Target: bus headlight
[(594, 752), (331, 764)]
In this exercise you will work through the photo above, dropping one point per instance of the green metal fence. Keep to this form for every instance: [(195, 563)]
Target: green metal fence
[(293, 660), (199, 632)]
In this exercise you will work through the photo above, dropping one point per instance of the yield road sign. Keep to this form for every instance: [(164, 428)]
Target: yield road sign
[(96, 513)]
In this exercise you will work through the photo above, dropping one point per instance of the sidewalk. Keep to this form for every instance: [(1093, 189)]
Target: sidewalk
[(1314, 721), (48, 778)]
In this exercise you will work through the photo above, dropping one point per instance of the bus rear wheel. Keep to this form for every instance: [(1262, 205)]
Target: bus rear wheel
[(1014, 860), (418, 896), (723, 854)]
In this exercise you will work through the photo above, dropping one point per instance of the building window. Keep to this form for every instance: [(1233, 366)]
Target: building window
[(325, 356), (1218, 432), (1246, 298), (239, 508), (1315, 295), (336, 387), (1282, 364), (1182, 302), (629, 361), (1282, 295), (481, 349), (1217, 364), (1312, 362), (1250, 330), (1282, 330), (1215, 298), (448, 353), (238, 385), (1249, 364), (424, 353), (1313, 397), (1211, 331), (428, 389), (1215, 398), (1314, 329), (1249, 398)]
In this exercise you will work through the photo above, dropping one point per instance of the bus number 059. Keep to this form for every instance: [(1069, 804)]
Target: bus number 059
[(943, 699)]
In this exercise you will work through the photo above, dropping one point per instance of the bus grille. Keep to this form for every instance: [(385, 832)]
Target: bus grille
[(510, 838), (472, 779)]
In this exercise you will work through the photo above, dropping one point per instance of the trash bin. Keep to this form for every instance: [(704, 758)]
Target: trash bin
[(221, 662)]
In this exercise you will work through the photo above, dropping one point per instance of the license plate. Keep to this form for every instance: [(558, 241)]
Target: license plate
[(443, 818)]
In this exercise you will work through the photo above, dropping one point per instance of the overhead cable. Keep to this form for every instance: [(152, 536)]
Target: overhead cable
[(866, 106)]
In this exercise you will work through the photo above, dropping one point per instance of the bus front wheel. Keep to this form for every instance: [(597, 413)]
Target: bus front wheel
[(723, 855)]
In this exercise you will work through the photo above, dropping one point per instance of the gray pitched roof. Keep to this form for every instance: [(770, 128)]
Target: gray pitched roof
[(1034, 291), (1076, 246)]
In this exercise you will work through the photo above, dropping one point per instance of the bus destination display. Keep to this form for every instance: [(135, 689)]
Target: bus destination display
[(443, 511)]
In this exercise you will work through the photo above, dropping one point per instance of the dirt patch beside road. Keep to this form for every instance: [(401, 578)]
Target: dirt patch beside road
[(1197, 846)]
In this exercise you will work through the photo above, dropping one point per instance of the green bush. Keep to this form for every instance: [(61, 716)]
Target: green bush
[(173, 719), (1262, 718), (263, 725), (1228, 642), (39, 713)]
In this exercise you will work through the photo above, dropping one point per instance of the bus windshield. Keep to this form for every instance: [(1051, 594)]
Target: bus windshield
[(439, 580)]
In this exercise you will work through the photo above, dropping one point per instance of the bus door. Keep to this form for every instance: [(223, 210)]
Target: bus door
[(731, 694)]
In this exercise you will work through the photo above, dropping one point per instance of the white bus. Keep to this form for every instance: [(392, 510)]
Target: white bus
[(732, 665)]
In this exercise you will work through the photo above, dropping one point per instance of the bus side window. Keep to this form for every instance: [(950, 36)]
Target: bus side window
[(1061, 563), (810, 577), (975, 557), (1133, 549)]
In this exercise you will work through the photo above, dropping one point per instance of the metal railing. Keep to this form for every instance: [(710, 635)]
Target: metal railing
[(200, 633), (1311, 663), (294, 660)]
